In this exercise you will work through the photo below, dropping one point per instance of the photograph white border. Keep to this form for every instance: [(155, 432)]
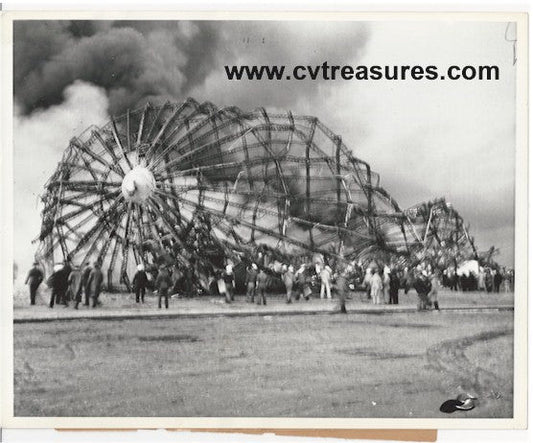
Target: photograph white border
[(7, 200)]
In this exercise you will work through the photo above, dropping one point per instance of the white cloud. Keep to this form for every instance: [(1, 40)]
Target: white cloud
[(39, 142)]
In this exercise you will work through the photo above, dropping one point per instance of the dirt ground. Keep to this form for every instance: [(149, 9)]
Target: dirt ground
[(355, 365)]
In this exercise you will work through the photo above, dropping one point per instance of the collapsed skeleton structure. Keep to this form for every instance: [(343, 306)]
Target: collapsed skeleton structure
[(191, 183)]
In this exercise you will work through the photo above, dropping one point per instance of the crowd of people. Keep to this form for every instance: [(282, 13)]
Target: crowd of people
[(309, 277), (72, 284), (487, 279), (68, 284)]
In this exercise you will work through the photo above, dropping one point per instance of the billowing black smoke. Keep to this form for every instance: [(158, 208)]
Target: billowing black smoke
[(140, 61), (133, 61)]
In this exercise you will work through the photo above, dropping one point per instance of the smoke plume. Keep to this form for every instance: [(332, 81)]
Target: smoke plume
[(131, 63), (39, 142), (139, 61)]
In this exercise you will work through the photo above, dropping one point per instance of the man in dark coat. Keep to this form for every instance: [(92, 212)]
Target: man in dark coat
[(262, 284), (454, 281), (94, 282), (341, 284), (84, 282), (497, 280), (65, 274), (188, 287), (422, 286), (139, 283), (57, 285), (394, 287), (163, 283), (489, 280), (34, 279)]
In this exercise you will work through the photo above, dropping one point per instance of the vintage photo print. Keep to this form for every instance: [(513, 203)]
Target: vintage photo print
[(281, 220)]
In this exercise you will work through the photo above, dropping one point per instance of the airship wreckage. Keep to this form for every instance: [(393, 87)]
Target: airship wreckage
[(195, 185)]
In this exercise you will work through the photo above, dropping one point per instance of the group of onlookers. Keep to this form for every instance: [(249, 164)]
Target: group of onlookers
[(381, 283), (72, 284), (488, 279), (256, 282), (163, 284), (68, 284), (298, 283)]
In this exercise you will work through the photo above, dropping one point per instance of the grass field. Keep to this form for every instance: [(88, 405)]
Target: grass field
[(390, 365)]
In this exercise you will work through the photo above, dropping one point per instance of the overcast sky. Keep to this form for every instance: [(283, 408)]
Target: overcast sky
[(427, 139)]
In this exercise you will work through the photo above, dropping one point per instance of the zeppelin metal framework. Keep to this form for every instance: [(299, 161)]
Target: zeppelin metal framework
[(194, 183)]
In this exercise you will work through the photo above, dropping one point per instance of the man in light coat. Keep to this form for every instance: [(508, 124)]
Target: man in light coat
[(325, 277), (288, 280), (376, 287)]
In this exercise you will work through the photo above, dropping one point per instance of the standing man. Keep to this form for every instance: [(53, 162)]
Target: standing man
[(299, 281), (262, 283), (288, 280), (376, 287), (433, 293), (303, 278), (84, 282), (187, 282), (55, 283), (163, 283), (139, 283), (481, 279), (65, 274), (342, 287), (251, 281), (489, 280), (497, 281), (506, 281), (394, 287), (367, 280), (74, 286), (34, 279), (94, 282), (229, 279), (325, 277), (408, 279), (422, 287), (386, 286)]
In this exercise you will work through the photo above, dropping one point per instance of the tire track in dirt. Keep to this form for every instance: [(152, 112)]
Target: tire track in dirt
[(459, 374)]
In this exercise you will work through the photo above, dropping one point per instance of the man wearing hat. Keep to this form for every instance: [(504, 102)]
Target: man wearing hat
[(422, 287), (139, 283), (229, 279), (74, 286), (34, 279), (262, 284), (251, 280), (163, 283), (96, 278), (62, 297), (56, 284)]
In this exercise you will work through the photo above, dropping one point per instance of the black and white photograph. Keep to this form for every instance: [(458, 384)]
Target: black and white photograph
[(298, 217)]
